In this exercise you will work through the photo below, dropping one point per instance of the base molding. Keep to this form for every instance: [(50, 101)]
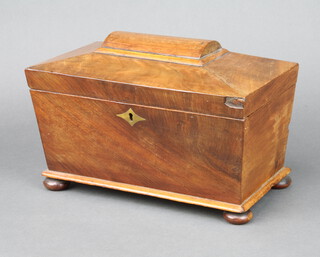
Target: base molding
[(245, 206)]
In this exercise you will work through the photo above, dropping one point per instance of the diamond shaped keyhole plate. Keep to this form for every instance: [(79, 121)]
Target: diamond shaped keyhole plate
[(131, 117)]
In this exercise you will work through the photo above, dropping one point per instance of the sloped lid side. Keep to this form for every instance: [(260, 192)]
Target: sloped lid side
[(259, 80)]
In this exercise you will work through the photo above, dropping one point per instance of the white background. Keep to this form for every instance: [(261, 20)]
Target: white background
[(89, 221)]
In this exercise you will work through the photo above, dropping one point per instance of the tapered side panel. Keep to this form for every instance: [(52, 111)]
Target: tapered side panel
[(265, 141), (186, 153)]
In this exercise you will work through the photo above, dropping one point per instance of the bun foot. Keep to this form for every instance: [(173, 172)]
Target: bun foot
[(237, 218), (56, 184), (284, 183)]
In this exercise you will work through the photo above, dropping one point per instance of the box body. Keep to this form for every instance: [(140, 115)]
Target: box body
[(212, 132)]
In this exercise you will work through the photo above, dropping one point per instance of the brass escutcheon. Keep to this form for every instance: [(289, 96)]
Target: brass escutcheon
[(131, 117)]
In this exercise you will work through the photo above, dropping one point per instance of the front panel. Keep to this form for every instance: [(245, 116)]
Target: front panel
[(187, 153)]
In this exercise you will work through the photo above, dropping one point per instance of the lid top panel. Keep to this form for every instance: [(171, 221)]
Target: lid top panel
[(163, 45)]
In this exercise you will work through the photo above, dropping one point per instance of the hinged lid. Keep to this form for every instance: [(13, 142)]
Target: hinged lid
[(167, 72)]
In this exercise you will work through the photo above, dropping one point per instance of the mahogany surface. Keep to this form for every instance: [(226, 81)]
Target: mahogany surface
[(265, 141), (238, 208), (166, 45), (166, 151), (214, 123), (169, 85)]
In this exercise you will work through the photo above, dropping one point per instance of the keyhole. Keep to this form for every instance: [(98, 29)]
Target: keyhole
[(131, 116)]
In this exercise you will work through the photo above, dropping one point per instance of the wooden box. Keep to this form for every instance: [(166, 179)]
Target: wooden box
[(175, 118)]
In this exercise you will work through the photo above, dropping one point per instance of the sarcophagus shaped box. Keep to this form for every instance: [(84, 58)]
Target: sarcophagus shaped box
[(175, 118)]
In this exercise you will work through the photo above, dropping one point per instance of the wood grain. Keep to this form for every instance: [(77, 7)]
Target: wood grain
[(260, 80), (215, 122), (238, 208), (165, 45), (132, 94), (76, 140), (80, 51), (180, 152), (168, 85), (165, 58), (264, 188), (265, 140)]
